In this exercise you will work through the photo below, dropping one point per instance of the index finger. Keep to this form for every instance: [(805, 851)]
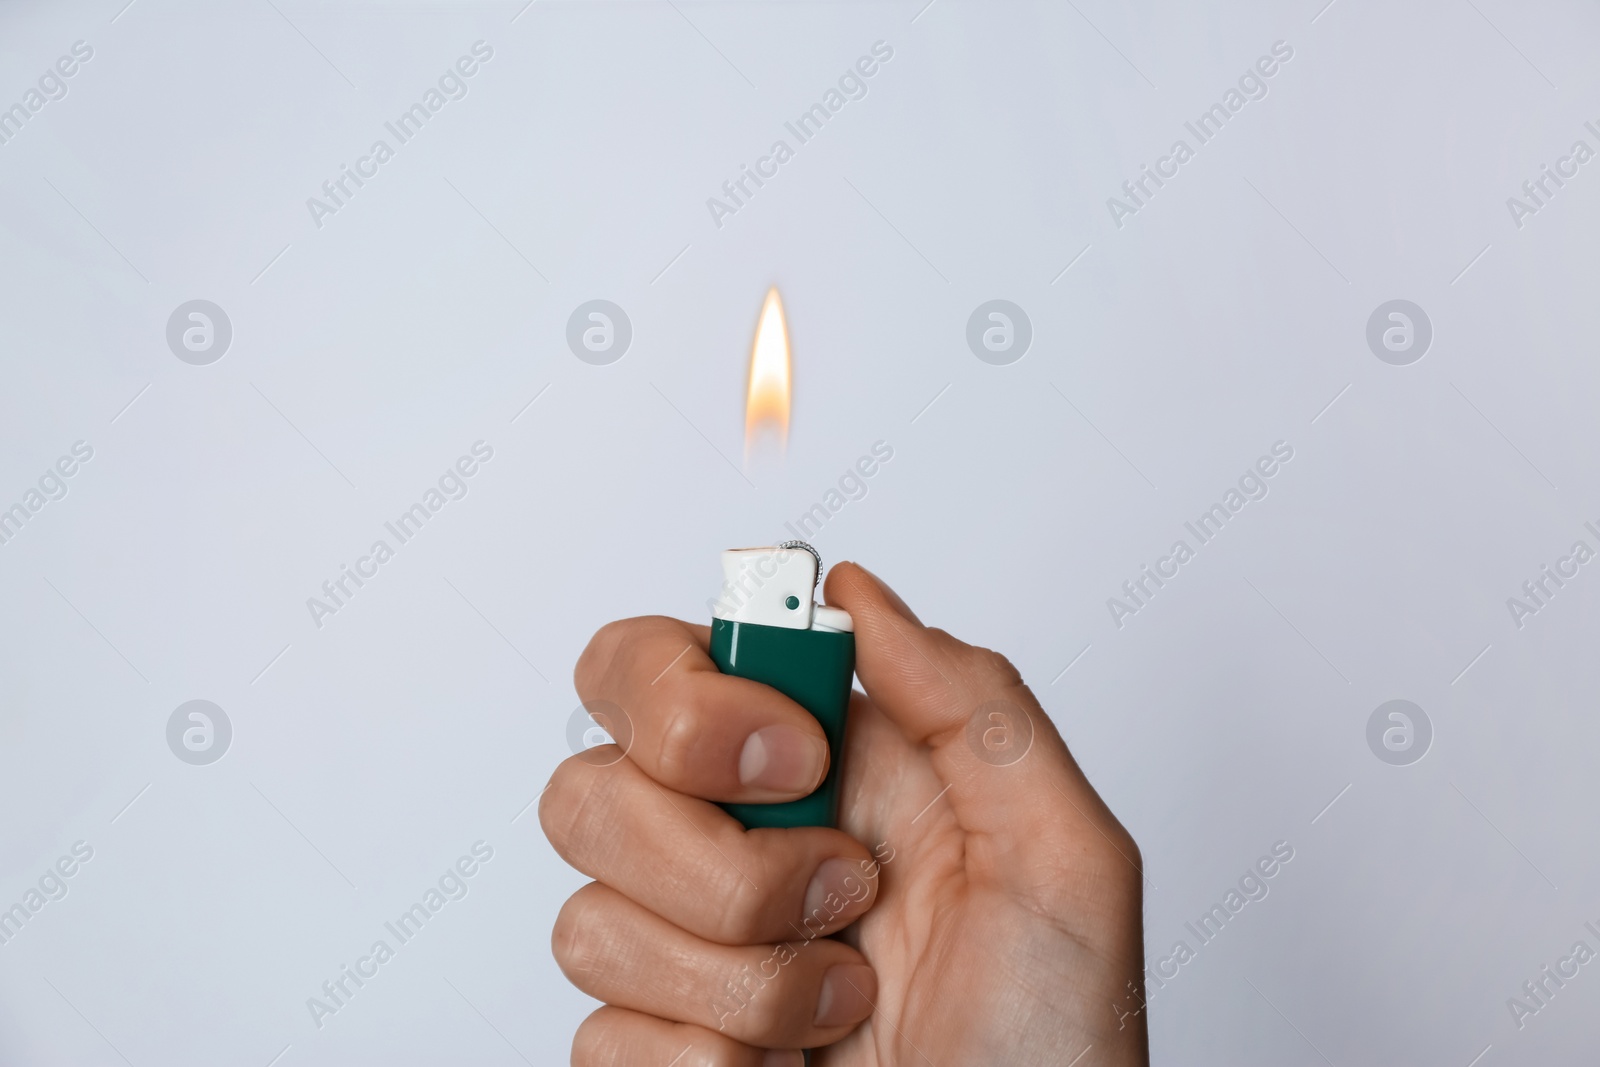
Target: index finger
[(695, 729)]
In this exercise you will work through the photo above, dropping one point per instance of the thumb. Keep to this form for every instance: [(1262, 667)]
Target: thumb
[(1008, 772)]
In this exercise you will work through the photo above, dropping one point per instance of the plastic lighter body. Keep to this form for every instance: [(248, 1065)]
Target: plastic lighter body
[(767, 627)]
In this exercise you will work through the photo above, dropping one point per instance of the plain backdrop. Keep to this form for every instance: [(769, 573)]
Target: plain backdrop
[(375, 344)]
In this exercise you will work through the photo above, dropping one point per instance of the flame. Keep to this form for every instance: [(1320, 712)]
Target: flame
[(766, 410)]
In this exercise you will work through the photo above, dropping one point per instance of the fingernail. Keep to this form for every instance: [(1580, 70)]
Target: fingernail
[(848, 991), (778, 1057), (838, 892), (782, 759)]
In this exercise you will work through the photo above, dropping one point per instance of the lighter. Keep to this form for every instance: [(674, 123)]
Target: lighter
[(767, 627)]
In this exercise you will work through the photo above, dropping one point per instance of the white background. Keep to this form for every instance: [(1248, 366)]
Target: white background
[(372, 351)]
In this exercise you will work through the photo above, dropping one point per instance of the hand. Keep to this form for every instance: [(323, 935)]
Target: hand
[(994, 919)]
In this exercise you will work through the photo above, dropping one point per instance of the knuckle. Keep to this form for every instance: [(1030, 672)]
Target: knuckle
[(600, 1041), (568, 809), (679, 738), (1114, 860), (1126, 853), (996, 666), (741, 920), (755, 1007), (1130, 848), (556, 806), (616, 654), (1116, 840), (991, 667), (597, 656), (577, 940)]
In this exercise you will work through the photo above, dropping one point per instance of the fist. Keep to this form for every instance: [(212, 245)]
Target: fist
[(970, 909)]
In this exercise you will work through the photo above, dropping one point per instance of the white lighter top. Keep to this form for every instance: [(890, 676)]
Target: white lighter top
[(775, 587)]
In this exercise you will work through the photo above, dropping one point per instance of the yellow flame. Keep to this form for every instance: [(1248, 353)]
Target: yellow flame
[(768, 397)]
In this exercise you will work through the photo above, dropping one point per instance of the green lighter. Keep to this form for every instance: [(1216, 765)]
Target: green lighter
[(767, 627)]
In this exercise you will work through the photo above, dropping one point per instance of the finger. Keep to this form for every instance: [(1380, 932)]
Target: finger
[(1010, 775), (613, 1036), (796, 994), (695, 729), (689, 862)]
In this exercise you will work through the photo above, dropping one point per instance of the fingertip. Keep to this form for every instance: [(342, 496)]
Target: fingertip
[(854, 588), (784, 759), (838, 893), (847, 995)]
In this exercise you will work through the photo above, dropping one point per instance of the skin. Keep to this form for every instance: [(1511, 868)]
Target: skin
[(987, 903)]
